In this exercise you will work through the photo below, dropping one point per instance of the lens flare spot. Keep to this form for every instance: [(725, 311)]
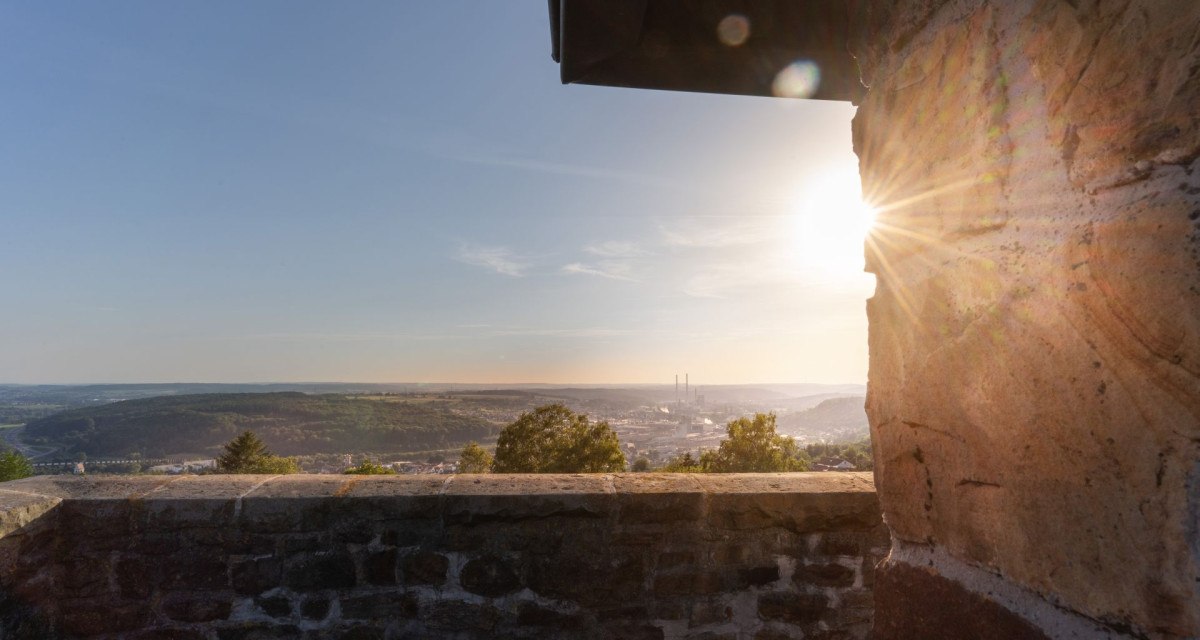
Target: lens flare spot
[(733, 30), (800, 79)]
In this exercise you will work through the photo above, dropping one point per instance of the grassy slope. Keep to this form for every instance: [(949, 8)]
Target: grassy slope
[(290, 423)]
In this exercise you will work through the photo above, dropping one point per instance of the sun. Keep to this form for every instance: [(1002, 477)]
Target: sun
[(830, 223)]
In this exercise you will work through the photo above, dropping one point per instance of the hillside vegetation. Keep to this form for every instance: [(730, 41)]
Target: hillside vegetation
[(834, 420), (290, 423)]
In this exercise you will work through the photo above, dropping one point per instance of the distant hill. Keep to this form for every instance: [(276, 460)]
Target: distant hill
[(834, 420), (290, 423)]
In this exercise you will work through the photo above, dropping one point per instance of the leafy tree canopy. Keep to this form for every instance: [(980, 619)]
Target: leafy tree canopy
[(248, 454), (554, 439), (754, 446), (14, 466), (474, 459), (683, 464)]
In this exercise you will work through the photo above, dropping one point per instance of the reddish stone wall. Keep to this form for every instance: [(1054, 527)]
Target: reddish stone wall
[(1035, 336), (627, 556)]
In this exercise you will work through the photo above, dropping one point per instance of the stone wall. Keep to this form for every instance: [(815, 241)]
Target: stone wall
[(1034, 388), (756, 556)]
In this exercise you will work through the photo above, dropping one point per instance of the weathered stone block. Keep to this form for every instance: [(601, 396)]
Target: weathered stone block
[(687, 583), (253, 576), (423, 567), (489, 576), (275, 606), (387, 605), (824, 575), (379, 567), (758, 576), (796, 608), (453, 615), (259, 631), (97, 616), (361, 632), (185, 607), (315, 608), (322, 570)]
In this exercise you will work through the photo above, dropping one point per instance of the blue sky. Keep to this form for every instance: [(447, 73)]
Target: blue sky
[(383, 191)]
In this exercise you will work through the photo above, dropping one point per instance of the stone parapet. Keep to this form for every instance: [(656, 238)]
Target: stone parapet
[(518, 556)]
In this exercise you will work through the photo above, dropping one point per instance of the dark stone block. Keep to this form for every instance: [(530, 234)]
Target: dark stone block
[(710, 612), (687, 584), (914, 603), (275, 606), (361, 632), (425, 568), (84, 577), (375, 606), (168, 634), (314, 608), (529, 613), (453, 615), (591, 578), (379, 568), (195, 608), (256, 575), (489, 576), (355, 534), (331, 570), (796, 608), (672, 559), (135, 577), (632, 630), (259, 631), (759, 576), (730, 554), (650, 508), (412, 534), (836, 543), (303, 543), (195, 570), (94, 617), (824, 575), (775, 634)]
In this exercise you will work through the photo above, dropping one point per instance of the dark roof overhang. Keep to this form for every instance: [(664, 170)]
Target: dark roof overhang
[(678, 45)]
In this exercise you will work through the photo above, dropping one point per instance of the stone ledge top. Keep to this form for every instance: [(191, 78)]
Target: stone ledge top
[(226, 487)]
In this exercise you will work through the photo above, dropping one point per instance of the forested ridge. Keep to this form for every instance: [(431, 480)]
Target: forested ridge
[(290, 423)]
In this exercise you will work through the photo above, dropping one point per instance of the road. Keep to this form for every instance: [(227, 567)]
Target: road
[(11, 435)]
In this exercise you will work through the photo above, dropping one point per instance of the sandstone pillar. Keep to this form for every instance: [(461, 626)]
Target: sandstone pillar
[(1034, 386)]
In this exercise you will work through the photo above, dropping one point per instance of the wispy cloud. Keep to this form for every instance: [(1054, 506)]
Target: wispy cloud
[(502, 260), (707, 234), (565, 169), (725, 279), (611, 269), (615, 249), (580, 332)]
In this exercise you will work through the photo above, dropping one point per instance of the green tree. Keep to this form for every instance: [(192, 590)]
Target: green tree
[(554, 439), (753, 445), (14, 466), (248, 454), (641, 464), (683, 464), (474, 459), (368, 468)]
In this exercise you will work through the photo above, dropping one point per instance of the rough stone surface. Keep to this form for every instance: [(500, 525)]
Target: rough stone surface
[(591, 557), (1034, 391)]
